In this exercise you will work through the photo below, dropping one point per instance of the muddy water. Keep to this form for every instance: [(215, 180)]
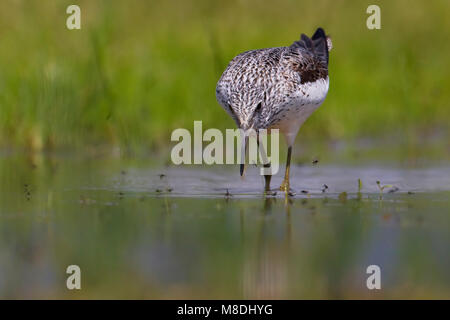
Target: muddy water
[(137, 231)]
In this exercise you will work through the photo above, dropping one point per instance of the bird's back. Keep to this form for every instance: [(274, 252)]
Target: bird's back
[(276, 77)]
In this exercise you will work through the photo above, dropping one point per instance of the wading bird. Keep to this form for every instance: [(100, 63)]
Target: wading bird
[(277, 88)]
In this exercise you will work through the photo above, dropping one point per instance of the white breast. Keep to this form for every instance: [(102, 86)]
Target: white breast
[(310, 97)]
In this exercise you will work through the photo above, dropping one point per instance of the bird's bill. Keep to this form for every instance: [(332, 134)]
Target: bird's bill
[(244, 149)]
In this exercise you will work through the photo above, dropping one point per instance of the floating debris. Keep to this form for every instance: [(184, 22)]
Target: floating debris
[(27, 192), (386, 186), (161, 176), (324, 188), (86, 201), (394, 189)]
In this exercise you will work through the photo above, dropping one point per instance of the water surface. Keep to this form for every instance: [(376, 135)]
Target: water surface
[(137, 231)]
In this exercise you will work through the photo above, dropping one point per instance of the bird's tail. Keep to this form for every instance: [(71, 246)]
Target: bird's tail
[(320, 44)]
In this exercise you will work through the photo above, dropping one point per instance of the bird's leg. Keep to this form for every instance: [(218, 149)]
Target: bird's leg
[(285, 185), (244, 151), (267, 179)]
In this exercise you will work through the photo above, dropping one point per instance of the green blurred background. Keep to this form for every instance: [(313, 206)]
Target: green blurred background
[(136, 71), (139, 69)]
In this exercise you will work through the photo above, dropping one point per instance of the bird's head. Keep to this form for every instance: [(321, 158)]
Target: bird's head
[(251, 117)]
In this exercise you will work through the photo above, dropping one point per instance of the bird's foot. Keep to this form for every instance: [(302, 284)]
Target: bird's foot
[(285, 188)]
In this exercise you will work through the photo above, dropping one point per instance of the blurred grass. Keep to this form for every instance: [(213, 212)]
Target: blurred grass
[(137, 70)]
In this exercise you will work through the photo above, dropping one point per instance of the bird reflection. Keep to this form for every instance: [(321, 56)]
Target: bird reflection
[(265, 265)]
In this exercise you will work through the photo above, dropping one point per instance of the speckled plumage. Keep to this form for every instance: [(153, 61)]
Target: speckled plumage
[(277, 87)]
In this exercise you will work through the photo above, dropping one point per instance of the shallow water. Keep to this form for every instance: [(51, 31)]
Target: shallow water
[(215, 182), (137, 234)]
